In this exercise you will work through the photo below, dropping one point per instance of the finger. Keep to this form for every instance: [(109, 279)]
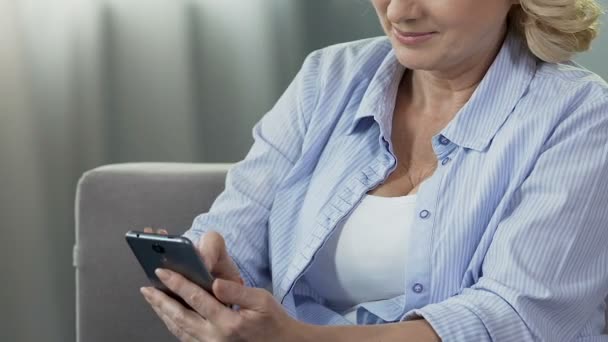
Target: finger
[(212, 249), (183, 320), (208, 248), (199, 299), (178, 332), (243, 296), (162, 232), (181, 334), (148, 230)]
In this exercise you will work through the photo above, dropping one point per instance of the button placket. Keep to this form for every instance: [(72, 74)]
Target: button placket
[(417, 285)]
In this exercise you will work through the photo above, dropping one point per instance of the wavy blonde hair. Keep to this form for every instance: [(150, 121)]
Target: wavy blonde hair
[(555, 30)]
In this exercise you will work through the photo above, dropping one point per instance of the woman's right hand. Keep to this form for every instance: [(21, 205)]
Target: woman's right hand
[(211, 247)]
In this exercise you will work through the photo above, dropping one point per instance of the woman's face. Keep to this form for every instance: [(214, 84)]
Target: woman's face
[(443, 35)]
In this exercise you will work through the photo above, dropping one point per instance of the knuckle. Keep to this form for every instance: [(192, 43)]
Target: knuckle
[(265, 298), (172, 283), (196, 298), (176, 282), (212, 311), (177, 331), (242, 296), (233, 328), (179, 318), (172, 327)]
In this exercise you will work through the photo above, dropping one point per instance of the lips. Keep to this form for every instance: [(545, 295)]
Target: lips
[(412, 38), (412, 34)]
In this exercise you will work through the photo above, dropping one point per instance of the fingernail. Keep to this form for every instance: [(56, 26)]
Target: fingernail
[(162, 274), (144, 291)]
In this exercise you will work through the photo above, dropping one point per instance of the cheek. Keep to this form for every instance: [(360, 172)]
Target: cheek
[(473, 26), (381, 7), (381, 4), (471, 17)]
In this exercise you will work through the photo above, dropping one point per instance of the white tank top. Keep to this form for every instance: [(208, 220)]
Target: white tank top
[(363, 259)]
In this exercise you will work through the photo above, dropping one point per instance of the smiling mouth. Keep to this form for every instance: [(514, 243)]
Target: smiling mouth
[(412, 34), (412, 38)]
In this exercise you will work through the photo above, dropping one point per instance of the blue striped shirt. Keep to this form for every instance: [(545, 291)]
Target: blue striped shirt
[(510, 241)]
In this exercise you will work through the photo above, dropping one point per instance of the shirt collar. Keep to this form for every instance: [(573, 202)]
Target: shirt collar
[(379, 98), (478, 121)]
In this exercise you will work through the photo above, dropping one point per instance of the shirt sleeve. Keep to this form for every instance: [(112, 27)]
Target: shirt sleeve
[(310, 306), (240, 213), (310, 311), (545, 273)]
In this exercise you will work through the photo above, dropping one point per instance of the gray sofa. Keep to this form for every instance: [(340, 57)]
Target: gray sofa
[(111, 200)]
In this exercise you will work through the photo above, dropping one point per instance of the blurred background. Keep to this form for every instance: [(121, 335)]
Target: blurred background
[(85, 83)]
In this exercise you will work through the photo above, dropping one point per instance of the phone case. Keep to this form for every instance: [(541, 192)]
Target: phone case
[(173, 252)]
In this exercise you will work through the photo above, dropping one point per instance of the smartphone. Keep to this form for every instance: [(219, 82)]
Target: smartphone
[(173, 252)]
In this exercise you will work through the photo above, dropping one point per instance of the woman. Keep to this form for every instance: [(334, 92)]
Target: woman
[(447, 181)]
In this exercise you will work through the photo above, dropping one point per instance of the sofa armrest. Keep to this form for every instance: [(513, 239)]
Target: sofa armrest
[(111, 200)]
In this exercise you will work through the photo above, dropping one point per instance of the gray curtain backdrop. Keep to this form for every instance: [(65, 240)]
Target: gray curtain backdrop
[(89, 82)]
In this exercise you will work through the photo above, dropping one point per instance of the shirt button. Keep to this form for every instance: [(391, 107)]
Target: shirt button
[(418, 288), (425, 214), (445, 160), (443, 140)]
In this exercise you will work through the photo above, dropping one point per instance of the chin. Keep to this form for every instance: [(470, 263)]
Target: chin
[(416, 60)]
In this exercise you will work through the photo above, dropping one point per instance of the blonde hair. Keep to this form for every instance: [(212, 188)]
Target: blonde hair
[(555, 30)]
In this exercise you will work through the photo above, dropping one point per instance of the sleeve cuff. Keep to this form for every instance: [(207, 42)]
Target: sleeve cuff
[(473, 316), (312, 312)]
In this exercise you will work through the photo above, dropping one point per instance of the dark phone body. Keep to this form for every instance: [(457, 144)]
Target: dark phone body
[(173, 252)]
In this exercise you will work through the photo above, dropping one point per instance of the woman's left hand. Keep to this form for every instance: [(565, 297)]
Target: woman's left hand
[(260, 317)]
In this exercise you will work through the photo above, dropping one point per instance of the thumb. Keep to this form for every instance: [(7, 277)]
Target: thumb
[(212, 249), (234, 293)]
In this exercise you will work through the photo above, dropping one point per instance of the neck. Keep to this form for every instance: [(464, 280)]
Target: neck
[(446, 91)]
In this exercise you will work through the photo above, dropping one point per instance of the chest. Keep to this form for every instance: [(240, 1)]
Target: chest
[(459, 205), (416, 160)]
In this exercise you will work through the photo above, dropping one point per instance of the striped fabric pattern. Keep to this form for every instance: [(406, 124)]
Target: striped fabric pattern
[(510, 241)]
